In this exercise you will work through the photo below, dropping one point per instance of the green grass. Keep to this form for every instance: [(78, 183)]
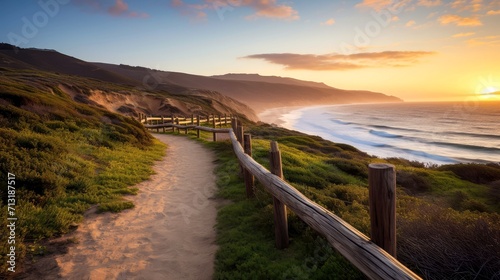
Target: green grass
[(246, 235), (66, 156), (447, 226)]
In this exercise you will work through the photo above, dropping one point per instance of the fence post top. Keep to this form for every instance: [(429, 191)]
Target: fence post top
[(274, 146), (381, 166)]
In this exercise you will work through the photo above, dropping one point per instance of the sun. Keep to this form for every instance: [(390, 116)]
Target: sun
[(488, 89)]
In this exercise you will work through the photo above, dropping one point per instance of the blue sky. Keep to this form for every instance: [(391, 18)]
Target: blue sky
[(407, 48)]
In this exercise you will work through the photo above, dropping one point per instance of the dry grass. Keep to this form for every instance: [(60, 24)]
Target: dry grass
[(445, 244)]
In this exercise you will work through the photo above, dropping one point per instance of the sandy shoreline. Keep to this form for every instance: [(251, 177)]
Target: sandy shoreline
[(287, 116), (168, 235)]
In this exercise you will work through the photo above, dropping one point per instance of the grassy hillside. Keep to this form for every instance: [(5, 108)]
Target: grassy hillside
[(68, 153), (448, 221), (66, 157)]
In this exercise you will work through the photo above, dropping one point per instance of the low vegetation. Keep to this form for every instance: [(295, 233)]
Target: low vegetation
[(66, 157), (448, 225)]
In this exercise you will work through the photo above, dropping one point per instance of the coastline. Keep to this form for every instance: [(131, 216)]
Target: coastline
[(287, 116), (403, 135)]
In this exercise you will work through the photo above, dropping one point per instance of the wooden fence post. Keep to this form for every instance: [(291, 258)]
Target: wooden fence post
[(239, 134), (198, 124), (192, 119), (177, 123), (249, 178), (173, 122), (280, 217), (382, 195), (234, 125), (225, 119), (163, 122)]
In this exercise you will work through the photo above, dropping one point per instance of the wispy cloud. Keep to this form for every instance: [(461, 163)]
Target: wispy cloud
[(429, 3), (459, 35), (329, 22), (485, 41), (384, 4), (118, 9), (460, 21), (374, 4), (196, 11), (262, 8), (467, 5), (339, 62), (493, 13), (410, 23)]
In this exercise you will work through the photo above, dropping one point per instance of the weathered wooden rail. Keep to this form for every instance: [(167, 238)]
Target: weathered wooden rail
[(367, 255), (186, 123)]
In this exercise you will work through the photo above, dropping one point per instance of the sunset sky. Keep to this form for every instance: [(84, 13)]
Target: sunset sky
[(414, 49)]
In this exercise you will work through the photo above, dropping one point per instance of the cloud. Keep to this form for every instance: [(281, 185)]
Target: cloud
[(392, 5), (118, 9), (460, 21), (493, 13), (429, 3), (459, 35), (329, 22), (485, 41), (196, 11), (261, 8), (375, 4), (467, 5), (410, 23), (269, 9), (339, 62)]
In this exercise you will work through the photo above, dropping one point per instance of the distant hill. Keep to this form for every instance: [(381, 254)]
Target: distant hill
[(53, 61), (258, 92), (269, 79), (113, 91)]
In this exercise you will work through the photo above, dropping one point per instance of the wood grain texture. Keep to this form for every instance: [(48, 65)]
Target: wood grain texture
[(382, 193), (249, 178), (280, 216)]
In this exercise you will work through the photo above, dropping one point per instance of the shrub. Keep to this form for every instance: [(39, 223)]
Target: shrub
[(474, 172), (351, 167), (412, 182), (444, 244)]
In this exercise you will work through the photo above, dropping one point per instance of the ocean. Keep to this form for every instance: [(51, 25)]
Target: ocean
[(432, 133)]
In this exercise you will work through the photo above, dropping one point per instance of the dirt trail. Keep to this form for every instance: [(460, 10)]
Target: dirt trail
[(168, 235)]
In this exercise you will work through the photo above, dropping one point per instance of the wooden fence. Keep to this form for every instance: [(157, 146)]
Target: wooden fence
[(376, 258), (186, 123)]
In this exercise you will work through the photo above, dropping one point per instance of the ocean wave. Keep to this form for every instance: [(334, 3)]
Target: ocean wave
[(467, 147), (385, 127), (475, 135), (341, 122), (384, 134), (433, 157)]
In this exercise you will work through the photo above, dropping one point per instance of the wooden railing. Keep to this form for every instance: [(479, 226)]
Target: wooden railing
[(186, 123), (365, 254)]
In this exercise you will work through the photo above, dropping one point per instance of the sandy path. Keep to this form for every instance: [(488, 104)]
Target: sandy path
[(168, 235)]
